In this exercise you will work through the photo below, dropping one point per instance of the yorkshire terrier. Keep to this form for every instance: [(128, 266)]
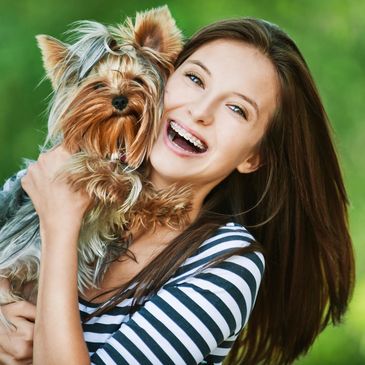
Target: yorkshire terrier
[(108, 93)]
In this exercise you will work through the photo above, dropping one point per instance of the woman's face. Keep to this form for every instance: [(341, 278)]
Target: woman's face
[(216, 108)]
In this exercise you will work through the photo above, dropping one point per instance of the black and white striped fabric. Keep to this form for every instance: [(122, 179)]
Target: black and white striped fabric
[(193, 319)]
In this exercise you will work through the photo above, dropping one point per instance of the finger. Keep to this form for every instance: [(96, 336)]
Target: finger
[(18, 343), (69, 151), (22, 309), (61, 150), (24, 183), (26, 180), (6, 359), (27, 311), (24, 328), (52, 161)]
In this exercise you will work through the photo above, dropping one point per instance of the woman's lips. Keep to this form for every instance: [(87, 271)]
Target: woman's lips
[(189, 131), (177, 149)]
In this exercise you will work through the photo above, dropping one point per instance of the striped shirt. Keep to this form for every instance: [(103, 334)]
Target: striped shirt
[(195, 316)]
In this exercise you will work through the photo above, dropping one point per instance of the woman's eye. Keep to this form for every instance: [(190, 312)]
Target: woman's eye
[(195, 79), (238, 110)]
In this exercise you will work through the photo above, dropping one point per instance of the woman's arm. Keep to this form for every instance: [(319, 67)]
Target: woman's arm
[(58, 337)]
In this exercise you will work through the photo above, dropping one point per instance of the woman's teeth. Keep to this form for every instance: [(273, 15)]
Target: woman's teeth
[(188, 136)]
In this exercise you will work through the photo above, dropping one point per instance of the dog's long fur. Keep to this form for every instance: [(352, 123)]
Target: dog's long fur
[(108, 90)]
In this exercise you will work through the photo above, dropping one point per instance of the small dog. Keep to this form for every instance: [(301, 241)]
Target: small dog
[(108, 93)]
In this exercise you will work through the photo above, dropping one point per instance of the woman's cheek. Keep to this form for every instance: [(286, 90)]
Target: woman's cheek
[(177, 93)]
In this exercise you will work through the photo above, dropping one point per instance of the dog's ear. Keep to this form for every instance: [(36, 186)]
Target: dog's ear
[(156, 29), (54, 54)]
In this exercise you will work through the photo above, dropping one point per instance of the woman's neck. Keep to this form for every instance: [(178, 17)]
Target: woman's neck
[(198, 196)]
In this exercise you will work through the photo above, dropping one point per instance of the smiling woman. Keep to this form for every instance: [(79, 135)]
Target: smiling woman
[(222, 103), (243, 124)]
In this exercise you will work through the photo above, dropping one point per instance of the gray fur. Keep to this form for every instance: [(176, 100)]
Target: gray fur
[(91, 45), (20, 244)]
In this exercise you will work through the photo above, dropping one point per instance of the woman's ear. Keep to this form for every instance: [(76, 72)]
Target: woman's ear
[(250, 164)]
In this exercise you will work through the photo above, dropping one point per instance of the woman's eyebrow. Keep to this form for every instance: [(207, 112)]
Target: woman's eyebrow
[(198, 63), (249, 100)]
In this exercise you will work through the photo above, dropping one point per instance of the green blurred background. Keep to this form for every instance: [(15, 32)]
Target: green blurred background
[(331, 35)]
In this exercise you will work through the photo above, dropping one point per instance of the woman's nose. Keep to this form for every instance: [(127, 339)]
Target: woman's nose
[(202, 111)]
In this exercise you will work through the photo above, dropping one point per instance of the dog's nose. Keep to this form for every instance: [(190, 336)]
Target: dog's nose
[(120, 102)]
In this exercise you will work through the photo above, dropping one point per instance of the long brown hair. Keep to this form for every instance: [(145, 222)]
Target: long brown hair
[(295, 205)]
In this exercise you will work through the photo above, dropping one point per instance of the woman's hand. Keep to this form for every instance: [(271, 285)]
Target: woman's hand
[(56, 203), (16, 343)]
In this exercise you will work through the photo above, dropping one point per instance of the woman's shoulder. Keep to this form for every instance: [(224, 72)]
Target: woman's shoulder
[(232, 231), (228, 240), (230, 236)]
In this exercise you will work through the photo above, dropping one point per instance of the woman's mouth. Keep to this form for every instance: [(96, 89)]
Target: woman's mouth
[(183, 139)]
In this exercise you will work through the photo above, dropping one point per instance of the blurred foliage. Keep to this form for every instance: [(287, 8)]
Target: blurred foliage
[(330, 35)]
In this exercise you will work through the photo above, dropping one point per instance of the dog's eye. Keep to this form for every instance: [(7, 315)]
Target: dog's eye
[(99, 85), (112, 44), (139, 80)]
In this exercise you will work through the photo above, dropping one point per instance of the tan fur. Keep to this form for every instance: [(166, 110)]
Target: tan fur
[(148, 32), (53, 54), (110, 145), (93, 129)]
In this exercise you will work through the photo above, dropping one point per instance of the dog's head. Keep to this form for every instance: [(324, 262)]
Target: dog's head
[(109, 84)]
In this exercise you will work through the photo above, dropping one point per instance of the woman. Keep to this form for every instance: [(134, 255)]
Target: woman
[(243, 92)]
